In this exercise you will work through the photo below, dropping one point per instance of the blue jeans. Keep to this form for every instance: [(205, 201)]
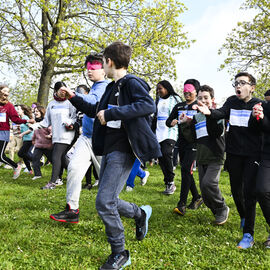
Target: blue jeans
[(136, 171), (115, 169)]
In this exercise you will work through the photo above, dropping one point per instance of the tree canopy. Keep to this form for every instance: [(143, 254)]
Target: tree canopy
[(248, 45), (41, 39)]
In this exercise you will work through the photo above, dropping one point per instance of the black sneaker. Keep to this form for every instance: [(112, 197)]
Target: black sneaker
[(195, 204), (142, 223), (180, 210), (87, 186), (117, 261), (68, 215)]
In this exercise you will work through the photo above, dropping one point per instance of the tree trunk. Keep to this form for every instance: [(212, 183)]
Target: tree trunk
[(45, 83)]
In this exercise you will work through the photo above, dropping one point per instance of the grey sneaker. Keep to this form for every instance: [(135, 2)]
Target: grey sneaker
[(195, 204), (170, 189), (222, 215), (17, 171), (49, 186)]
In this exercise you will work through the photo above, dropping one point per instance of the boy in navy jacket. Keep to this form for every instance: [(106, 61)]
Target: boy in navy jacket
[(121, 132)]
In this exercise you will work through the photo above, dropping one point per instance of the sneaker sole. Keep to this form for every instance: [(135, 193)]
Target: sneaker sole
[(64, 220), (177, 211), (239, 247)]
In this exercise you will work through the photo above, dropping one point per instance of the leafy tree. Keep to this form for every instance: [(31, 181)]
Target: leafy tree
[(42, 39), (248, 45)]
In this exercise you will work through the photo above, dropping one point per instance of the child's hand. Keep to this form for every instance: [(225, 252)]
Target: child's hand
[(101, 117), (201, 108), (257, 111), (184, 118), (174, 122), (68, 92)]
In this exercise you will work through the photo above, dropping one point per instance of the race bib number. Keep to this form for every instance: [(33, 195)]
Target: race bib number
[(201, 130), (239, 117), (3, 117), (113, 124)]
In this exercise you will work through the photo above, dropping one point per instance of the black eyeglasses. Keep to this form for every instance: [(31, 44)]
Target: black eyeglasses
[(241, 83)]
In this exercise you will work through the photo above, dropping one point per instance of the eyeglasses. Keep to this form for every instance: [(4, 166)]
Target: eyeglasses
[(241, 83)]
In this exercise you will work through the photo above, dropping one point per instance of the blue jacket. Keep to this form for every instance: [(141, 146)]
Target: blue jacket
[(93, 97), (135, 108)]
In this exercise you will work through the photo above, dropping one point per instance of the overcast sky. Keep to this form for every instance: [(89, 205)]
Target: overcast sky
[(209, 22)]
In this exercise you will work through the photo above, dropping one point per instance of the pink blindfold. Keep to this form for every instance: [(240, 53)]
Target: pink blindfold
[(94, 65), (189, 88)]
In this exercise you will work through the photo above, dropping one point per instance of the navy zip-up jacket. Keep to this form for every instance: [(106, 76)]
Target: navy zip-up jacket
[(241, 140), (134, 110)]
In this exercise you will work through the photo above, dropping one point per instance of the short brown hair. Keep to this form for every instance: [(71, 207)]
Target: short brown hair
[(207, 88), (251, 78), (119, 53)]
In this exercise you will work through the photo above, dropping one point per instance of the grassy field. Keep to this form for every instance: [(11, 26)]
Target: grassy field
[(31, 240)]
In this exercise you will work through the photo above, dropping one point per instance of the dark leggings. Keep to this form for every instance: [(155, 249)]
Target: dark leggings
[(242, 171), (3, 157), (166, 161), (187, 157), (59, 160), (38, 153), (88, 177), (23, 153)]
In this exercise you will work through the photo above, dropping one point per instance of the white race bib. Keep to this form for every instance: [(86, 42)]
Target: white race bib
[(239, 117), (3, 117), (201, 130)]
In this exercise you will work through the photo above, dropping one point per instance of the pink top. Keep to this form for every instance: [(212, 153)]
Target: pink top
[(39, 139)]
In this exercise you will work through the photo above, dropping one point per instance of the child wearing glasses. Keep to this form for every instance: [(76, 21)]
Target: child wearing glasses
[(243, 147)]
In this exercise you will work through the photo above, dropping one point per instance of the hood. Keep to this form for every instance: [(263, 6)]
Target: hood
[(130, 76)]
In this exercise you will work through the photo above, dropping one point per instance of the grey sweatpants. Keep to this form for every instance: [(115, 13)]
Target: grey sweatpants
[(209, 179)]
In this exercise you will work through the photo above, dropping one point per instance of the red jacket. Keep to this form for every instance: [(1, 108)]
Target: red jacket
[(7, 112)]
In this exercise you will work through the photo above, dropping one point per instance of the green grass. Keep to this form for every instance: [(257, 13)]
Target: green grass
[(30, 240)]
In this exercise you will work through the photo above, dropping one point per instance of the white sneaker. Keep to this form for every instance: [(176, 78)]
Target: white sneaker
[(128, 188), (36, 177), (144, 180), (17, 171), (59, 182), (7, 167), (96, 183)]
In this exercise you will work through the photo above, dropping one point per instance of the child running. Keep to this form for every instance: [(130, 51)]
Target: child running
[(210, 141), (243, 149), (7, 111), (123, 115)]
